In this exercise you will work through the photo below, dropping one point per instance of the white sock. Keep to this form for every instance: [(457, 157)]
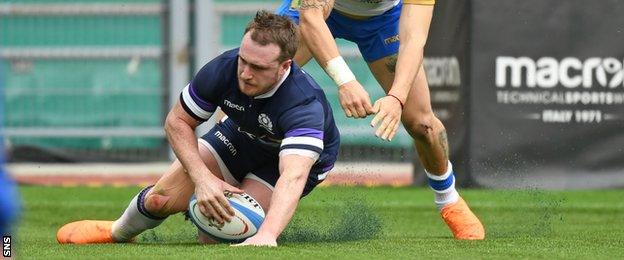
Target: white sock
[(134, 220), (443, 187)]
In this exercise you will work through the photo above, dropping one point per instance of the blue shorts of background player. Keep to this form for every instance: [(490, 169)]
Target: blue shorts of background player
[(376, 37), (9, 204), (232, 149)]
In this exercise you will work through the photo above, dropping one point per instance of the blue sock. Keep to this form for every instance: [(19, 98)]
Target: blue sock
[(443, 187)]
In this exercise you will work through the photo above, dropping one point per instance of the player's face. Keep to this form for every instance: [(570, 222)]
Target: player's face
[(258, 67)]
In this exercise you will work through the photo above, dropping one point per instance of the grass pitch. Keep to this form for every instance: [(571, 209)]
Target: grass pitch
[(351, 222)]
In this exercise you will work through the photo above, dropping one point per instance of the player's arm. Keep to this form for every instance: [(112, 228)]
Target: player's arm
[(314, 30), (301, 147), (198, 101), (180, 129), (294, 170), (354, 100), (413, 31)]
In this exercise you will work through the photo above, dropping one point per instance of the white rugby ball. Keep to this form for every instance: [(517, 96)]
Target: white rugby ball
[(245, 223)]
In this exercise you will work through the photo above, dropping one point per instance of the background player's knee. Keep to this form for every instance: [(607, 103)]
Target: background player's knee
[(422, 126)]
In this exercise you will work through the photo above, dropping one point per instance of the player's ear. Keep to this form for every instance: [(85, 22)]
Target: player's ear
[(286, 64)]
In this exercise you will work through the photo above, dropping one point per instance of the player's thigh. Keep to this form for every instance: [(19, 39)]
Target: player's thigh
[(418, 103), (236, 153), (176, 187), (258, 190)]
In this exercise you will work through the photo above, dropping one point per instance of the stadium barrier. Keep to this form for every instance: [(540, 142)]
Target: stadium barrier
[(83, 81)]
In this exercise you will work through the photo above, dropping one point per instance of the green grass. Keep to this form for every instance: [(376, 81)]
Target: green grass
[(355, 223)]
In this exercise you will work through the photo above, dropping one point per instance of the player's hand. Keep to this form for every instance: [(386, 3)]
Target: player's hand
[(259, 240), (388, 111), (211, 199), (354, 100)]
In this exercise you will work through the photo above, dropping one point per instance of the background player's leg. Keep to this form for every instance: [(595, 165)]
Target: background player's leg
[(432, 146), (418, 118)]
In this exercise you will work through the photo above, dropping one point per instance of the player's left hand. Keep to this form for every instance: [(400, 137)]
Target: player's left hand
[(387, 111), (259, 240)]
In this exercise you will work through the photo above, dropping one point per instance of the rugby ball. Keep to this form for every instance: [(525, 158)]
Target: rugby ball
[(245, 223)]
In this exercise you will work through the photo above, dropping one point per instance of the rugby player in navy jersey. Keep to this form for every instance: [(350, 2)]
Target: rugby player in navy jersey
[(278, 142), (391, 35)]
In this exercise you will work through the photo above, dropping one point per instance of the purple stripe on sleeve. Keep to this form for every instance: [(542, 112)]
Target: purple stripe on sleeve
[(328, 168), (200, 102), (305, 132)]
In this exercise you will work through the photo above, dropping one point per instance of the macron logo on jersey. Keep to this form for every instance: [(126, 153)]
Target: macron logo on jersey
[(233, 106), (227, 142)]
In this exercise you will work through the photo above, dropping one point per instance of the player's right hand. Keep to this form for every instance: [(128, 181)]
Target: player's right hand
[(211, 199), (354, 100)]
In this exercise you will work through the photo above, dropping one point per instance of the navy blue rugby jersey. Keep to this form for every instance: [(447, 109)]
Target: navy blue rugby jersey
[(294, 118)]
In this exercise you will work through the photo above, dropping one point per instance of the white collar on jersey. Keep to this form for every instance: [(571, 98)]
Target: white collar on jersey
[(279, 83)]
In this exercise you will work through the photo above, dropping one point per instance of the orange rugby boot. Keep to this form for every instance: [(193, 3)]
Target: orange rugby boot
[(86, 232), (462, 222)]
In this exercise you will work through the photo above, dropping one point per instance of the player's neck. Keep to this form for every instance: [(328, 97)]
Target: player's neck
[(275, 87)]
